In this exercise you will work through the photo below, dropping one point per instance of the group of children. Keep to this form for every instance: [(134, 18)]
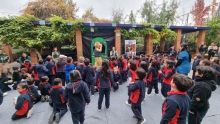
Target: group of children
[(139, 71)]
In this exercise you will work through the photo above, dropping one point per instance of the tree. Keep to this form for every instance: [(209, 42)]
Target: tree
[(117, 15), (148, 11), (43, 9), (200, 12), (132, 18), (89, 16)]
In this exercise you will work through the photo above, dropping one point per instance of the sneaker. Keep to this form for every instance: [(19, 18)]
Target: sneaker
[(51, 119), (47, 98), (127, 103), (5, 94), (57, 118), (144, 99), (30, 112), (141, 121), (93, 95), (99, 110), (142, 102), (42, 98), (156, 94), (163, 98)]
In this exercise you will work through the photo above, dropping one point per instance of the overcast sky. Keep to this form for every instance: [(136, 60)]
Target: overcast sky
[(102, 8)]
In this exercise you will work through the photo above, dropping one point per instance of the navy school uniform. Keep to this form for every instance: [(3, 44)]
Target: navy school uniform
[(51, 71), (80, 67), (194, 65), (27, 66), (217, 68), (117, 78), (105, 85), (137, 96), (33, 89), (88, 77), (175, 108), (133, 76), (77, 96), (4, 86), (59, 103), (61, 72), (41, 70), (36, 78), (152, 78), (124, 70), (45, 88), (167, 78), (24, 104)]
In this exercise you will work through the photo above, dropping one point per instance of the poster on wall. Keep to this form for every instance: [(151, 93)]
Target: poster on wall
[(130, 47)]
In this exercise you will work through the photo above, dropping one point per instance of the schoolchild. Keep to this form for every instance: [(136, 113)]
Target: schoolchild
[(113, 63), (16, 77), (80, 65), (33, 90), (176, 106), (68, 68), (88, 76), (117, 78), (216, 67), (26, 65), (51, 70), (196, 61), (4, 82), (41, 69), (35, 76), (124, 69), (60, 69), (45, 89), (152, 78), (23, 104), (58, 100), (77, 96)]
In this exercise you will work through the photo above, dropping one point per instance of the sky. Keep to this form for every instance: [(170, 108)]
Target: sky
[(102, 8)]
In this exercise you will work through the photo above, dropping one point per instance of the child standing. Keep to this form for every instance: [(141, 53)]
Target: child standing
[(45, 89), (68, 68), (196, 61), (24, 104), (167, 78), (41, 69), (137, 90), (124, 69), (80, 65), (60, 69), (88, 76), (77, 96), (33, 90), (152, 78), (59, 103), (176, 106), (200, 93), (51, 70)]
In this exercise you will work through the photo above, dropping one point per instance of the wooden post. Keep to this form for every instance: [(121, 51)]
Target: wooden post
[(33, 55), (149, 45), (79, 46), (8, 51), (118, 40), (201, 38), (177, 41), (162, 44)]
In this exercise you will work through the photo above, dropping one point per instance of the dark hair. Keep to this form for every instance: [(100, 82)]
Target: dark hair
[(124, 56), (40, 61), (86, 61), (34, 68), (57, 81), (105, 69), (30, 81), (141, 73), (182, 82), (69, 59), (44, 78), (199, 56), (24, 85), (15, 76), (4, 74), (132, 65), (171, 66), (24, 76), (206, 62), (49, 58), (75, 75), (144, 65), (24, 69), (155, 65), (208, 72)]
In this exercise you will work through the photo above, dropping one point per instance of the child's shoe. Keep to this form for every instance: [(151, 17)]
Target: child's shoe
[(30, 112), (51, 119), (57, 118), (141, 121), (47, 98), (127, 103), (42, 98), (5, 94)]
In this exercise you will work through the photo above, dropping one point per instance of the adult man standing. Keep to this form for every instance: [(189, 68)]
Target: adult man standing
[(4, 61), (202, 48), (113, 52)]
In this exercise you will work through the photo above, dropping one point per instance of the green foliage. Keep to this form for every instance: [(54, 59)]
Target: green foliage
[(20, 31), (165, 33)]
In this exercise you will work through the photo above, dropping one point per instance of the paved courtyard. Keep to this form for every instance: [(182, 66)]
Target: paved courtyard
[(119, 112)]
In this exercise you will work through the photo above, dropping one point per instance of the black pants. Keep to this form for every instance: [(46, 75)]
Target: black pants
[(37, 99), (60, 111), (37, 82), (210, 55), (16, 117), (153, 84), (165, 89), (197, 117), (124, 75), (104, 92), (78, 117), (61, 75), (91, 87), (136, 109), (51, 78), (129, 93)]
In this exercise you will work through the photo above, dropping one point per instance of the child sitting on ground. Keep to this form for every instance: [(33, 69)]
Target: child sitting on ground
[(33, 90), (59, 103), (23, 104), (4, 83), (16, 77), (117, 78), (45, 89), (176, 106)]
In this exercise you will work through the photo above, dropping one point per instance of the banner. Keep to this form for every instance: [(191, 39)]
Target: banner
[(130, 47)]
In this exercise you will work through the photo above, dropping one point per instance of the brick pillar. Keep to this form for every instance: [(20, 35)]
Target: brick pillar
[(7, 49), (33, 55), (149, 44), (177, 41), (201, 38), (79, 46), (118, 40)]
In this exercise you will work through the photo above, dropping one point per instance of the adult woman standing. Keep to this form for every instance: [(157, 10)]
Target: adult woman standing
[(105, 76), (55, 54), (212, 50), (184, 59)]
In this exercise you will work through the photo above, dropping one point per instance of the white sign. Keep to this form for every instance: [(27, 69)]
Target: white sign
[(130, 47)]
